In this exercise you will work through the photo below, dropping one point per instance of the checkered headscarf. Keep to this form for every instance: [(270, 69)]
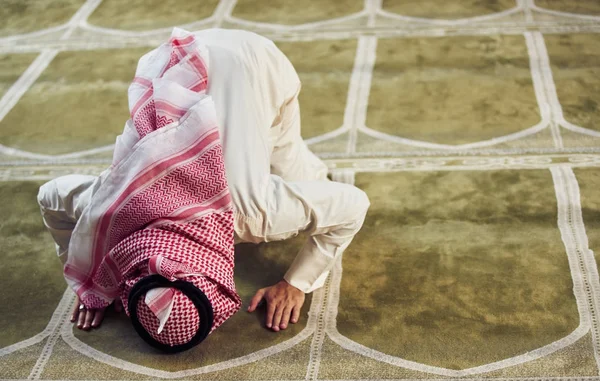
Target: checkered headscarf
[(159, 230), (199, 253)]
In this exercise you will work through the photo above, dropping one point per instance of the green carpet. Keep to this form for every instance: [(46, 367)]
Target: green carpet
[(473, 126)]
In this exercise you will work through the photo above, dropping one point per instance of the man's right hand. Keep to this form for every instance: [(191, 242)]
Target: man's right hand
[(90, 318)]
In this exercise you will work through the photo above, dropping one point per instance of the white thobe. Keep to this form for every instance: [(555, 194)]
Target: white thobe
[(278, 186)]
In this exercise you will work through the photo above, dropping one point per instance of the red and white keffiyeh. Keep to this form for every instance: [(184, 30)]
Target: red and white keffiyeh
[(164, 206)]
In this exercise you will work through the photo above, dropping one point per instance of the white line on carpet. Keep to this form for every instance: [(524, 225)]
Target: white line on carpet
[(572, 228)]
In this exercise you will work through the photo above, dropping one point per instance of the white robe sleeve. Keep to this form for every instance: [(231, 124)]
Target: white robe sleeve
[(278, 186), (332, 213), (62, 201)]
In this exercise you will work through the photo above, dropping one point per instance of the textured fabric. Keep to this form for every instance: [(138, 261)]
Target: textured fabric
[(199, 252), (181, 327), (164, 207)]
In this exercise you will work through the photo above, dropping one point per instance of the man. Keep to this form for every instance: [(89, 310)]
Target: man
[(277, 186)]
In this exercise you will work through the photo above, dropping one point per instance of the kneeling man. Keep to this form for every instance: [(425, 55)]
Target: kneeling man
[(211, 156)]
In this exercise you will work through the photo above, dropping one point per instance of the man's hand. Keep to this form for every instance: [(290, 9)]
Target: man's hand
[(87, 319), (283, 301)]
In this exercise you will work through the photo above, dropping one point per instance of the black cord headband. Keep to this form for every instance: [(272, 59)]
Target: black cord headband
[(205, 311)]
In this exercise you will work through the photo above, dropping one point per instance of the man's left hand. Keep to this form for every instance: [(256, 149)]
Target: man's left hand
[(284, 302)]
